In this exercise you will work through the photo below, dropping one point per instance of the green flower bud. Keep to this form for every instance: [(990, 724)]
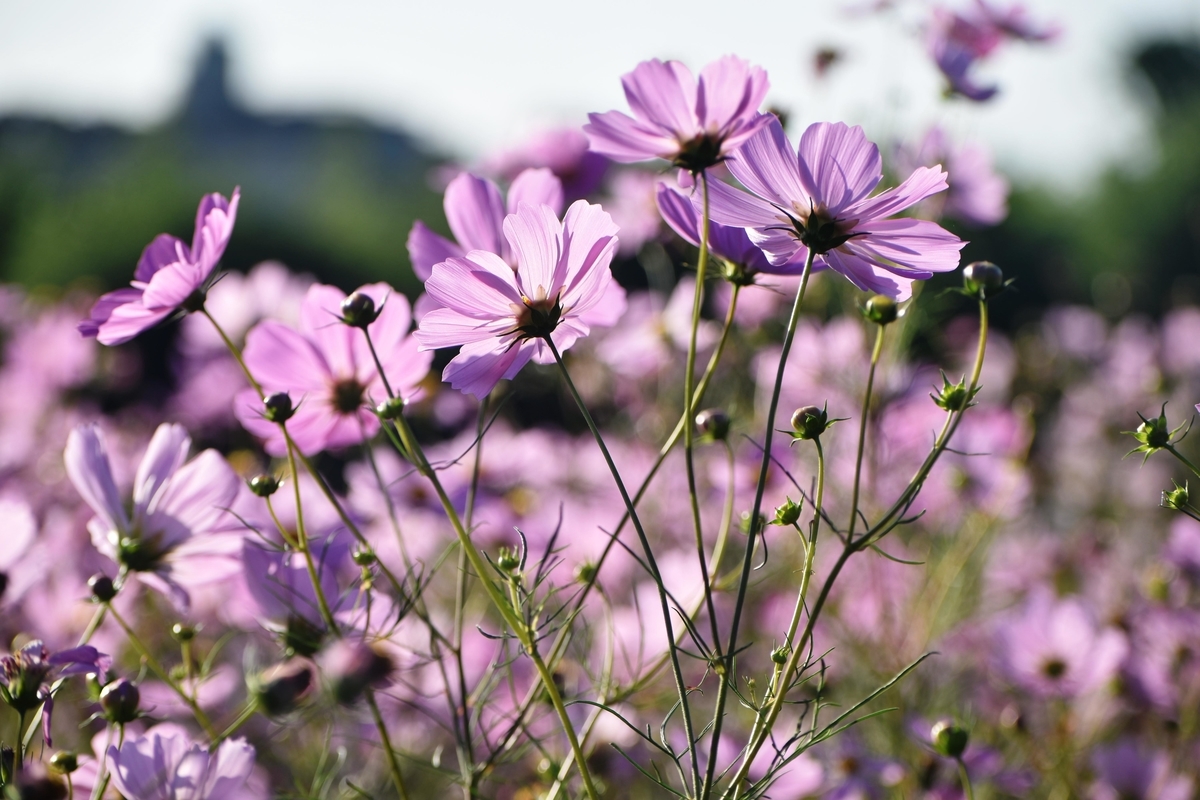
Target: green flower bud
[(264, 485), (780, 655), (102, 588), (983, 279), (810, 422), (881, 309), (788, 514), (64, 762), (508, 560), (1155, 433), (949, 739), (391, 408), (119, 701), (182, 632), (586, 572), (278, 407), (363, 556), (713, 424), (954, 396), (358, 310), (1176, 499)]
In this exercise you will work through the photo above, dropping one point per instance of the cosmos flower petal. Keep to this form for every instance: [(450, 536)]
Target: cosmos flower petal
[(426, 248), (535, 235), (166, 453), (479, 366), (922, 183), (89, 470), (214, 226), (320, 322), (914, 245), (766, 165), (475, 212), (662, 94), (729, 89), (868, 277), (730, 206), (838, 165), (623, 139), (537, 187), (199, 495), (445, 327), (479, 285), (162, 251), (588, 243), (128, 320), (103, 308), (281, 359)]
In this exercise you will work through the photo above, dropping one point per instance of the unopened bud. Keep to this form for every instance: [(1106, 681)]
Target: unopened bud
[(363, 556), (281, 688), (881, 309), (120, 701), (983, 279), (392, 408), (713, 423), (1177, 498), (264, 485), (102, 588), (64, 762), (182, 632), (586, 572), (508, 559), (810, 422), (949, 739), (354, 667), (954, 396), (780, 655), (788, 514), (277, 407), (358, 310)]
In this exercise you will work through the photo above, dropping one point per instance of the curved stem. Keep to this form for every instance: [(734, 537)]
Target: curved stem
[(386, 741), (651, 562), (234, 351)]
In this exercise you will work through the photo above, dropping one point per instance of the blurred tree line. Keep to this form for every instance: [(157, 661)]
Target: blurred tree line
[(336, 198)]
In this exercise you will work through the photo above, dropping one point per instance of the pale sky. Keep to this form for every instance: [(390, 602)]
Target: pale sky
[(474, 76)]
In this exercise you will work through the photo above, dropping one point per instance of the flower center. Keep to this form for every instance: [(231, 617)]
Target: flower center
[(699, 153), (348, 395), (138, 552), (537, 318), (821, 232), (1055, 668)]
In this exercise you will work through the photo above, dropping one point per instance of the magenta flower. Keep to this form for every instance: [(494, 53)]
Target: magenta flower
[(819, 199), (475, 212), (500, 315), (165, 764), (693, 125), (26, 675), (327, 368), (170, 276), (179, 529)]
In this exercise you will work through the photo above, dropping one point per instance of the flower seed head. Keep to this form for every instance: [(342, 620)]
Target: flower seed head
[(359, 311), (713, 424), (278, 407), (881, 309), (264, 484), (119, 701), (949, 739)]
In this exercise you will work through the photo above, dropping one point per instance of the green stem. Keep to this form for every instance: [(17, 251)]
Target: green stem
[(386, 741), (19, 761), (966, 779), (651, 562), (862, 431), (234, 351), (1171, 449), (245, 716), (163, 675), (302, 539)]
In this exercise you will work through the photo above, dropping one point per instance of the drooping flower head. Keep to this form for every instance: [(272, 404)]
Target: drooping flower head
[(501, 315), (327, 368), (694, 125), (170, 276), (819, 198), (475, 210), (179, 529), (26, 675), (165, 764)]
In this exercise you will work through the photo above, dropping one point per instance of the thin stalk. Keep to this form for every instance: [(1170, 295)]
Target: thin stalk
[(245, 716), (862, 431), (966, 779), (302, 540), (234, 351), (651, 562), (102, 776), (163, 675), (511, 618), (19, 761), (779, 682), (1171, 449), (386, 741)]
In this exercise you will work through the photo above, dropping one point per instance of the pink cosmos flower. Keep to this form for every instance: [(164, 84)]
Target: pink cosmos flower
[(170, 276), (564, 151), (327, 368), (819, 198), (26, 675), (500, 315), (957, 40), (165, 764), (693, 125), (179, 530)]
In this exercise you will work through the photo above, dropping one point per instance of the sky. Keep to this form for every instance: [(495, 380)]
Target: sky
[(474, 76)]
